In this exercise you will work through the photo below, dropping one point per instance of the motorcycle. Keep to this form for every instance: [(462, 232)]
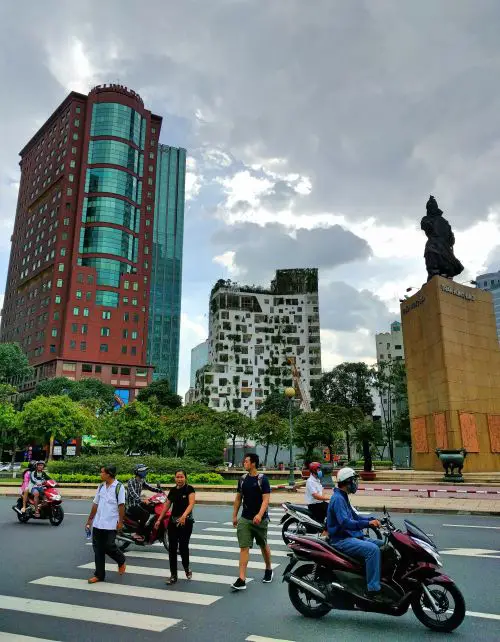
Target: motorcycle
[(330, 579), (49, 505), (154, 506), (298, 520)]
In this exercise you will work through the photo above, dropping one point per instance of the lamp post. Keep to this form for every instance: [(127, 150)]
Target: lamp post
[(290, 394)]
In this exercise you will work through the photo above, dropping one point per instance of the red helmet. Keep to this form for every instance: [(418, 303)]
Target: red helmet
[(314, 467)]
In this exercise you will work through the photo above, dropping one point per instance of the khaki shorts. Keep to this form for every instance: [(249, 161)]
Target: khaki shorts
[(247, 531)]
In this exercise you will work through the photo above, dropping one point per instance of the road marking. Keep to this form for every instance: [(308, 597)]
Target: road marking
[(271, 526), (225, 538), (471, 552), (214, 561), (87, 613), (470, 526), (259, 638), (200, 521), (13, 637), (129, 591), (486, 616), (78, 514), (232, 549), (161, 572)]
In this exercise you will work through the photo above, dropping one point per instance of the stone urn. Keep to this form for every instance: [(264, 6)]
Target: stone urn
[(452, 460), (367, 475)]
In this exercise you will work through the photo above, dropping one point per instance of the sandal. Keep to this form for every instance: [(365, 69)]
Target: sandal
[(189, 574), (171, 580)]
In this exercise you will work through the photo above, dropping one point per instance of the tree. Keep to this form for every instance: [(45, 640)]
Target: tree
[(10, 430), (277, 403), (92, 393), (14, 365), (348, 386), (206, 444), (6, 391), (270, 429), (307, 433), (133, 428), (55, 418), (197, 432), (159, 395), (367, 434), (54, 387), (235, 424)]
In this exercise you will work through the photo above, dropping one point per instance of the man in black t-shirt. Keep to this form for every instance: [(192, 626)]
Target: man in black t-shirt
[(254, 492)]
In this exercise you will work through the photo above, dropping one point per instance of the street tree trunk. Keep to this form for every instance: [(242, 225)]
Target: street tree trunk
[(233, 457), (348, 445), (367, 456), (51, 447), (276, 456), (266, 453)]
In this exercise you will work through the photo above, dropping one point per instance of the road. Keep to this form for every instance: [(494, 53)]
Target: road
[(43, 563)]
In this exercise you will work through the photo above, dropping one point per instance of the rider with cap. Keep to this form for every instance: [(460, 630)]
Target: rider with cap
[(135, 486), (316, 500), (35, 486), (345, 530)]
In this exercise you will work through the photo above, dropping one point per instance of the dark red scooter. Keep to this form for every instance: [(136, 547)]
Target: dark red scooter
[(154, 506), (410, 573), (49, 505)]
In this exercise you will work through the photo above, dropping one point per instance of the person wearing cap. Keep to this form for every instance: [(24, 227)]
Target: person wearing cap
[(37, 477), (345, 530), (135, 486), (315, 498)]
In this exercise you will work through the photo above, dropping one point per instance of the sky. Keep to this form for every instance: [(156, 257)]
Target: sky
[(316, 131)]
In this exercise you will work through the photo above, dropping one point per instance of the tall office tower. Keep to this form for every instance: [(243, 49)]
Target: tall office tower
[(252, 334), (166, 268), (77, 295), (491, 283)]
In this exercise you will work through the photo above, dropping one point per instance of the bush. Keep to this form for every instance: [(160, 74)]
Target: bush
[(91, 464), (376, 462), (195, 478)]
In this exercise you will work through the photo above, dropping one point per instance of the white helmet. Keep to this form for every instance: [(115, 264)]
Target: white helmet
[(345, 473)]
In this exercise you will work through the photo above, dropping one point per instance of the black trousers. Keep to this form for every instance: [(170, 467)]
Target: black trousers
[(178, 540), (103, 542), (138, 513), (319, 511)]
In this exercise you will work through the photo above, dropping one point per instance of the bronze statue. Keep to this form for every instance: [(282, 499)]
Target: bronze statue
[(439, 256)]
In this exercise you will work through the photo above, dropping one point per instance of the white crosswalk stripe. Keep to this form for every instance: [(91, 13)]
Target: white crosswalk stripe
[(162, 572), (215, 529), (12, 637), (130, 591), (87, 613), (214, 561), (229, 538), (232, 549), (259, 638)]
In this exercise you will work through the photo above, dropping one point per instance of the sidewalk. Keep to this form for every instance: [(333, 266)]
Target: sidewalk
[(451, 505)]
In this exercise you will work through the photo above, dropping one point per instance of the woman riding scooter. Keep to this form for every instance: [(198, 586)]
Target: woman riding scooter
[(316, 500)]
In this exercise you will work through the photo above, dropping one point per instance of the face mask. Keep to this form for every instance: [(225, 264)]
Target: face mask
[(320, 474), (352, 486)]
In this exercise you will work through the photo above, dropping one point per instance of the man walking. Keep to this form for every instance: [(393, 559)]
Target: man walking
[(254, 492), (107, 513)]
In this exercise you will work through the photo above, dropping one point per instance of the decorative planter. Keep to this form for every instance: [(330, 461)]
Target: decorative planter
[(367, 475), (452, 460)]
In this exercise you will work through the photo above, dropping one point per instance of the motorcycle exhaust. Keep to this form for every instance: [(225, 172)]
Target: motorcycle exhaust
[(16, 510), (307, 587)]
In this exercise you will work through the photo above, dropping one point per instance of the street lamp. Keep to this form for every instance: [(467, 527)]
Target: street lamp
[(290, 394)]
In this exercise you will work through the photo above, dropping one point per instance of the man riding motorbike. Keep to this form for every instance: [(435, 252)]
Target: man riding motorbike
[(134, 509), (345, 530), (35, 486), (315, 498)]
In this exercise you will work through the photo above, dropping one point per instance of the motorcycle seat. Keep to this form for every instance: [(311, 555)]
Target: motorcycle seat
[(300, 508), (330, 547)]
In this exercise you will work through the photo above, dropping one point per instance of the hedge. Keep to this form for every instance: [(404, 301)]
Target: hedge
[(376, 462), (195, 478), (92, 464)]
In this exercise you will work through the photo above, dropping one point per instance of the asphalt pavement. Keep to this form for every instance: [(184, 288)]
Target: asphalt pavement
[(44, 569)]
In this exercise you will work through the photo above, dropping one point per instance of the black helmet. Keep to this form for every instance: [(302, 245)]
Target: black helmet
[(40, 462), (32, 465), (141, 470)]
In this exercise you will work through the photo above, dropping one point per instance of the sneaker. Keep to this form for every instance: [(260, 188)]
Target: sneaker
[(268, 576), (122, 568), (239, 585)]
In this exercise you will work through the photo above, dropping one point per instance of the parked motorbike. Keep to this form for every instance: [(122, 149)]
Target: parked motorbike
[(154, 506), (298, 520), (330, 579), (49, 505)]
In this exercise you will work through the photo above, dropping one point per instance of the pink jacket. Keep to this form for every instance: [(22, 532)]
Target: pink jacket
[(26, 481)]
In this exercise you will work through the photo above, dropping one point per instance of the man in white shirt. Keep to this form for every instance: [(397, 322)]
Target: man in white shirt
[(316, 500), (106, 514)]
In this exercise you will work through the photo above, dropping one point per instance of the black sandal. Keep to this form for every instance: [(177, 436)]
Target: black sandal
[(171, 580), (189, 574)]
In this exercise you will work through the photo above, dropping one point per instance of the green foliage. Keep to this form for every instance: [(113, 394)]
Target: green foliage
[(133, 428), (92, 464), (235, 424), (347, 385), (277, 403), (14, 364), (207, 444), (79, 478), (159, 395), (6, 391), (10, 427), (270, 429), (376, 462), (91, 393)]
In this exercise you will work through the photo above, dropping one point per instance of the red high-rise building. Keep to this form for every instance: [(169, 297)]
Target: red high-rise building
[(78, 284)]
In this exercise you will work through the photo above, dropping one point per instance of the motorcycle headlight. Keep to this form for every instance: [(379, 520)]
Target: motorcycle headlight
[(429, 549), (56, 497)]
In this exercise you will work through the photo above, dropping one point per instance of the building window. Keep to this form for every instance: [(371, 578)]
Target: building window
[(125, 334), (134, 301), (72, 345), (74, 327), (69, 366), (85, 312), (88, 296), (125, 300), (134, 334), (98, 369), (124, 349), (126, 285), (90, 279), (52, 348), (76, 311), (106, 314), (125, 371), (135, 286), (57, 298), (87, 367), (83, 346), (133, 351), (59, 283), (69, 191), (104, 332), (55, 316), (103, 347), (84, 328), (60, 267), (125, 316), (75, 136), (71, 178), (63, 251), (78, 294), (114, 370), (54, 332), (66, 221), (136, 318), (141, 372)]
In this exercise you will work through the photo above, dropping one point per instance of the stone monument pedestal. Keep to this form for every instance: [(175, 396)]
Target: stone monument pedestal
[(453, 368)]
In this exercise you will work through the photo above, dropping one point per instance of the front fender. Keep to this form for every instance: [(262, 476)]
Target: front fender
[(444, 579), (285, 517)]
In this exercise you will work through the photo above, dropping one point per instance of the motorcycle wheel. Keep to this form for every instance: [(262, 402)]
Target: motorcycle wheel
[(56, 516), (304, 602), (451, 612), (165, 539), (295, 527), (23, 518)]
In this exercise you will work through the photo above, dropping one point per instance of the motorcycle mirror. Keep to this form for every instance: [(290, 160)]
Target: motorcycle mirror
[(385, 511)]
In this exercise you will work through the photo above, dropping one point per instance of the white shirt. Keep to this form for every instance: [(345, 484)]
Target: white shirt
[(313, 485), (107, 506)]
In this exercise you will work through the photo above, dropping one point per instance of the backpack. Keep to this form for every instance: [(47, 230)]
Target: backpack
[(117, 489), (260, 477)]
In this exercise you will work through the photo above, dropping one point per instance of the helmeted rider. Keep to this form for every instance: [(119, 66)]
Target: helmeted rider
[(316, 500), (345, 530), (134, 501), (37, 477)]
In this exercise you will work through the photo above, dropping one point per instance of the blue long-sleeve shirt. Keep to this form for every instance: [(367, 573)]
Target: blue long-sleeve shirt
[(342, 520)]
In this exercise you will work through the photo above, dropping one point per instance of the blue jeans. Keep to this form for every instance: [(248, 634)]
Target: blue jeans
[(367, 549)]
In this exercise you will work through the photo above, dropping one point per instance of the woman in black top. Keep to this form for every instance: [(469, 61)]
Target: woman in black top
[(180, 526)]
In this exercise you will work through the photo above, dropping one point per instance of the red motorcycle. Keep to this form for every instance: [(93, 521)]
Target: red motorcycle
[(49, 505), (152, 534), (410, 573)]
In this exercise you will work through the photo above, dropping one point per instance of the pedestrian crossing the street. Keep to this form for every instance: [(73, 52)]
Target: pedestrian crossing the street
[(214, 561)]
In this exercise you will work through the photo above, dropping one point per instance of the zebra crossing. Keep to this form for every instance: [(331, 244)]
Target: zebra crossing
[(214, 560)]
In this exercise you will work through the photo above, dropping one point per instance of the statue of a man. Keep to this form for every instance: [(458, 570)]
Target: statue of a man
[(439, 256)]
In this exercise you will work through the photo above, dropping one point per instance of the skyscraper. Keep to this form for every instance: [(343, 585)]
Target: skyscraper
[(166, 269), (78, 285)]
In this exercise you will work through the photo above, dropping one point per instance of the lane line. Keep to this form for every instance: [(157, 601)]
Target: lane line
[(77, 514), (87, 613), (471, 526), (214, 561), (151, 571), (201, 521), (471, 552), (225, 538), (14, 637), (130, 591), (259, 638), (233, 549), (486, 616), (275, 526)]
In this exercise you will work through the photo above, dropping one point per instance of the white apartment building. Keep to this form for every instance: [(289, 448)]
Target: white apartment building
[(252, 333), (389, 345), (491, 283)]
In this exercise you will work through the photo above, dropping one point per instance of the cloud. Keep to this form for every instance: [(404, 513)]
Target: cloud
[(343, 308)]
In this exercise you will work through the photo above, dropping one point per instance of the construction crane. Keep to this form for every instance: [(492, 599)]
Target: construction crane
[(297, 384)]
